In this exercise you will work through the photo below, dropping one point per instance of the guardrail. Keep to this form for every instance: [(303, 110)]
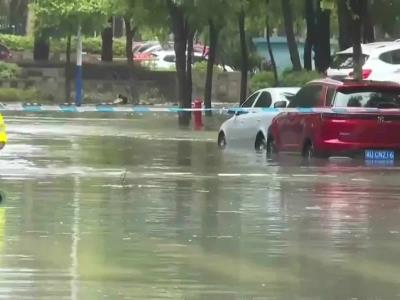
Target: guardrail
[(148, 109)]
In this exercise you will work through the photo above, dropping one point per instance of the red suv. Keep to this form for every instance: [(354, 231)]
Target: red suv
[(329, 117)]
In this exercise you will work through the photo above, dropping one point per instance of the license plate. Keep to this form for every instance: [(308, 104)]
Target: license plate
[(379, 155)]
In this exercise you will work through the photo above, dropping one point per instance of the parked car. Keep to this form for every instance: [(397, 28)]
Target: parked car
[(345, 118), (159, 47), (381, 61), (166, 60), (249, 124), (5, 53), (141, 47)]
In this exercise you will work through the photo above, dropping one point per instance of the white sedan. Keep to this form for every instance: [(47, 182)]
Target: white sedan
[(250, 123)]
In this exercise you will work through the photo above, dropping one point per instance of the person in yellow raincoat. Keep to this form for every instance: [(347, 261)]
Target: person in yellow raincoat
[(3, 133)]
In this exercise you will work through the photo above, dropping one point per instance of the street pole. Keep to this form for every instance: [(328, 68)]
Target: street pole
[(78, 84)]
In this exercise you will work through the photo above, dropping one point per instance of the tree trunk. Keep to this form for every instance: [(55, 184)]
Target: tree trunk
[(270, 52), (345, 23), (213, 31), (323, 43), (107, 44), (291, 39), (67, 69), (356, 9), (130, 32), (368, 24), (118, 25), (310, 38), (129, 39), (179, 30), (41, 49), (189, 62), (244, 57)]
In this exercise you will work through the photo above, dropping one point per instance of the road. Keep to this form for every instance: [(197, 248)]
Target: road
[(133, 207)]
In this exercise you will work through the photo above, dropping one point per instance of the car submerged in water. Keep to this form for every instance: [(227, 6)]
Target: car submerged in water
[(249, 123), (340, 118)]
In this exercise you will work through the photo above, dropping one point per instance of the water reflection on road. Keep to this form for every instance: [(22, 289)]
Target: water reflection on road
[(136, 208)]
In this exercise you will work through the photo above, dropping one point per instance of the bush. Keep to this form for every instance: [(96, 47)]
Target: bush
[(201, 68), (298, 78), (92, 45), (9, 71), (17, 42), (17, 95), (262, 80)]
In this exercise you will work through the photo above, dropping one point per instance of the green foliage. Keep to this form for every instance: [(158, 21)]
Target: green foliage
[(92, 45), (17, 95), (292, 78), (9, 71), (262, 80), (15, 42), (201, 68), (60, 17)]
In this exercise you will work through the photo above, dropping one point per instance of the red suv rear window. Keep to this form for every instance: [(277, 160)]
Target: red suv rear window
[(372, 97)]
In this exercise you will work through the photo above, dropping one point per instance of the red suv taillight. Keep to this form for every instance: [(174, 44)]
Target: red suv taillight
[(365, 73)]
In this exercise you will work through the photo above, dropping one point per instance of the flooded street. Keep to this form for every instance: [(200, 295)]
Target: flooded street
[(136, 208)]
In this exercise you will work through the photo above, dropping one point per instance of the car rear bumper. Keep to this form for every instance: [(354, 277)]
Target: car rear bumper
[(333, 147)]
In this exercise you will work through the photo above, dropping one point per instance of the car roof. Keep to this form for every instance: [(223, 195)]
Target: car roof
[(172, 52), (354, 83), (278, 89), (375, 48)]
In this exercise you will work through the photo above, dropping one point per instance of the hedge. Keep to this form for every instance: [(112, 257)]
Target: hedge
[(17, 95), (9, 71), (17, 42), (92, 45), (288, 78), (298, 78)]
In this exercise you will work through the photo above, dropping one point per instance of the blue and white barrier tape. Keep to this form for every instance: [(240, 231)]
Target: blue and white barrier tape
[(152, 109)]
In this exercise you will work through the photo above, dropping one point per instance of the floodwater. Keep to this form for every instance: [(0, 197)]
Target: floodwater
[(135, 208)]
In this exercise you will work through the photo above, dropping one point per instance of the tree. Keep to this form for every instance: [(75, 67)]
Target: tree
[(213, 38), (344, 18), (183, 42), (107, 42), (357, 11), (271, 54), (322, 41), (310, 16), (132, 12), (291, 40), (212, 24), (63, 18), (244, 56)]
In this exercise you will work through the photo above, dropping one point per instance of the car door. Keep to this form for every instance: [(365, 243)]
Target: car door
[(237, 130), (292, 127), (252, 120)]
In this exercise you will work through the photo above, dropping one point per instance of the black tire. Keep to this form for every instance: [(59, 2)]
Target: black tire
[(221, 140), (261, 142), (308, 150), (270, 147)]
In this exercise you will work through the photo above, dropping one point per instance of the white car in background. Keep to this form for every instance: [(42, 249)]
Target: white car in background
[(381, 62), (165, 60), (249, 124)]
